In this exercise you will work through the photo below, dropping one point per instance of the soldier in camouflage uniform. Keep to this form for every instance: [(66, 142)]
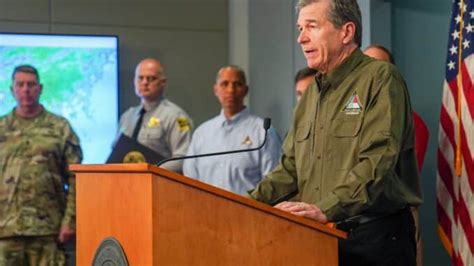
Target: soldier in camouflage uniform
[(36, 147)]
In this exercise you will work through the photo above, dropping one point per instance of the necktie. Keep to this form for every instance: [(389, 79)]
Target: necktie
[(138, 125)]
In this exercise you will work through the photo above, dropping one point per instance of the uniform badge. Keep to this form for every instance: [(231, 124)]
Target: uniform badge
[(353, 106), (247, 141), (153, 122), (183, 123)]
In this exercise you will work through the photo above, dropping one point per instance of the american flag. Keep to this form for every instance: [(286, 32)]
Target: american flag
[(455, 183)]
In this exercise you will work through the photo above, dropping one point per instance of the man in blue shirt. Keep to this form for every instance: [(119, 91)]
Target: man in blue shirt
[(234, 128)]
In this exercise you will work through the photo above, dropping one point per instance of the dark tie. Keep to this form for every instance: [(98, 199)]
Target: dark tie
[(138, 125)]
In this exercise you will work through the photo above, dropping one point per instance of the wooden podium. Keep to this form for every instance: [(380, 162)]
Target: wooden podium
[(163, 218)]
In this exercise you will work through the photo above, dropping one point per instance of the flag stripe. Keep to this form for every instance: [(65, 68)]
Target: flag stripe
[(448, 126), (445, 223), (453, 88), (467, 89), (466, 223), (445, 173), (445, 203), (457, 261), (448, 100), (468, 163)]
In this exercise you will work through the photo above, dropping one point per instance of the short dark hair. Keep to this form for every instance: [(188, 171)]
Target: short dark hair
[(26, 69), (304, 73), (384, 49), (341, 12)]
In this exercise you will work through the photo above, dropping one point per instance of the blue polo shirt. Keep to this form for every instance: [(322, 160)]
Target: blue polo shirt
[(234, 172)]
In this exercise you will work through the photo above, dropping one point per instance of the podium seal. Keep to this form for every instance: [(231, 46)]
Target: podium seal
[(109, 253)]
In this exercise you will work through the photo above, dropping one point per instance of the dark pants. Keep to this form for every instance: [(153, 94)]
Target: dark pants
[(385, 241)]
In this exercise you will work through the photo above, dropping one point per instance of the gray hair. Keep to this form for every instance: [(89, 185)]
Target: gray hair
[(341, 12), (238, 69)]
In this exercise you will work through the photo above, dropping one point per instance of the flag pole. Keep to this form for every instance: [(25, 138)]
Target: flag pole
[(458, 159)]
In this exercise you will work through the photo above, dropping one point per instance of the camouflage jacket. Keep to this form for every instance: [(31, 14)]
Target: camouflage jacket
[(34, 158)]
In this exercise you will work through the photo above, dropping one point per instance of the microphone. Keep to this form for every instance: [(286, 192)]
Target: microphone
[(266, 125)]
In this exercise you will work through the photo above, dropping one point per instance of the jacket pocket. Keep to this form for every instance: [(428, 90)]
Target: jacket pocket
[(344, 147), (303, 146), (346, 127)]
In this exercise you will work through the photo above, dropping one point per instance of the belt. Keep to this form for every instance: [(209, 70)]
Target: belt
[(351, 223)]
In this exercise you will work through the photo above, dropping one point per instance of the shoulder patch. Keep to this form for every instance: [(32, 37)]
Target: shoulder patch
[(183, 123)]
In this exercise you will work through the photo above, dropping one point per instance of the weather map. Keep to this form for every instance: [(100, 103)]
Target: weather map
[(80, 82)]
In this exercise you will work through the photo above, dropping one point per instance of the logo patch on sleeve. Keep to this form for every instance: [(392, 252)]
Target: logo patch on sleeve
[(183, 123), (353, 106)]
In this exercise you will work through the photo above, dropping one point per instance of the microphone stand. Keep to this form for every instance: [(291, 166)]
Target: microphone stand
[(266, 126)]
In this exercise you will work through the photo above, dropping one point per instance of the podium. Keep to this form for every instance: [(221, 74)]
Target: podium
[(163, 218)]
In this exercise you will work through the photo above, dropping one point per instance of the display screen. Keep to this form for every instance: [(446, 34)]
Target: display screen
[(79, 75)]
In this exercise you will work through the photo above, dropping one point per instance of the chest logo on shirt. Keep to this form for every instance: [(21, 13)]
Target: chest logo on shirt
[(153, 122), (353, 106), (247, 141)]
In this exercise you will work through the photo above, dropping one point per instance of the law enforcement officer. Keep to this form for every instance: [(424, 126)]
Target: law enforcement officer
[(36, 148), (233, 129), (349, 154), (164, 127)]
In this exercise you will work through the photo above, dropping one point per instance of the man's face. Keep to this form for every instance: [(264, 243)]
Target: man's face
[(230, 91), (377, 54), (302, 85), (149, 82), (26, 90), (320, 41)]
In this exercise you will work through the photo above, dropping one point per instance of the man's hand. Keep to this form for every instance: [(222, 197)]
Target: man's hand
[(303, 209), (65, 234)]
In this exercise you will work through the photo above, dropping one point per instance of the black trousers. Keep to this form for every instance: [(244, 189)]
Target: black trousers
[(385, 241)]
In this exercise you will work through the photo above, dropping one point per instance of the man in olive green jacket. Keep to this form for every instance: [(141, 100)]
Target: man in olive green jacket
[(349, 154), (36, 148)]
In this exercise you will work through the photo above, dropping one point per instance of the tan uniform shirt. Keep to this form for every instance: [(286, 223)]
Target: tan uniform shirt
[(166, 129), (350, 149)]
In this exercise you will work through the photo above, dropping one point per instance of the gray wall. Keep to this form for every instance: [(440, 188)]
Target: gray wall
[(271, 60), (190, 37)]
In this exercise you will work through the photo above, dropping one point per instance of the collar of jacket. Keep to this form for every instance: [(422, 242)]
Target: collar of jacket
[(335, 77)]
